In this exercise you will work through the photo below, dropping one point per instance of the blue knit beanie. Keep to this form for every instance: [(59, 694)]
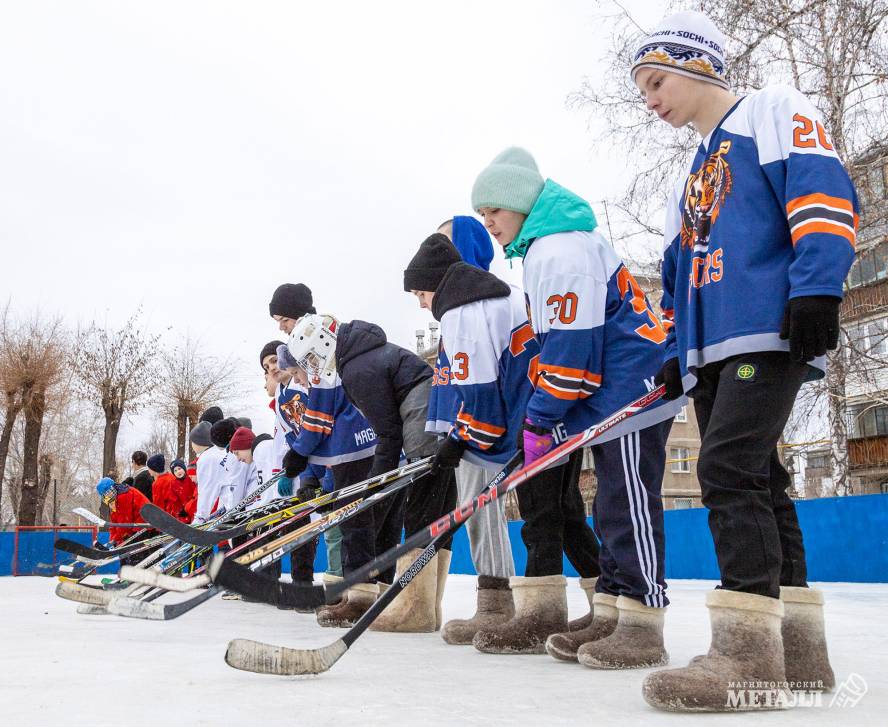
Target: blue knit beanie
[(157, 463), (511, 182)]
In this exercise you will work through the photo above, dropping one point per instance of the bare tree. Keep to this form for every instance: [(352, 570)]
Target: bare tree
[(116, 370), (33, 355), (834, 51), (11, 382), (192, 380)]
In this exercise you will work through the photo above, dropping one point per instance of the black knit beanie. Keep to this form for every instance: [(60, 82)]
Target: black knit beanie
[(291, 300), (269, 349), (212, 415), (223, 431), (427, 268)]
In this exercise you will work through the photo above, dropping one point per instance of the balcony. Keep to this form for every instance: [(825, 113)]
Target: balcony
[(868, 452), (865, 300)]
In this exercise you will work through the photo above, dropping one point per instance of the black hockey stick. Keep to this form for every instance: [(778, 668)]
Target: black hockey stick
[(269, 659), (260, 587), (259, 557), (166, 523)]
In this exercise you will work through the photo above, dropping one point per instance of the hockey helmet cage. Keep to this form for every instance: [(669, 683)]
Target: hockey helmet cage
[(313, 346)]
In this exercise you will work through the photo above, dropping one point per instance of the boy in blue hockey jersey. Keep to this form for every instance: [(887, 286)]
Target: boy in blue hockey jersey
[(331, 433), (600, 347), (491, 349), (487, 529), (760, 234)]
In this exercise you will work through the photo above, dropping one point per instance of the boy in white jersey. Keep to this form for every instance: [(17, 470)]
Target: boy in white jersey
[(760, 234)]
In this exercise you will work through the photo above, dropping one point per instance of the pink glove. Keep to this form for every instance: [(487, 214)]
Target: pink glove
[(536, 441)]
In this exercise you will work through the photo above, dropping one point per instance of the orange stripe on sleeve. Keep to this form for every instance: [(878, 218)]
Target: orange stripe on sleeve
[(318, 415), (817, 198), (558, 393), (826, 227), (469, 420)]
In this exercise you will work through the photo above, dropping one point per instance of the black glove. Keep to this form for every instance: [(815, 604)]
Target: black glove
[(450, 452), (294, 463), (670, 374), (100, 546), (308, 488), (811, 323)]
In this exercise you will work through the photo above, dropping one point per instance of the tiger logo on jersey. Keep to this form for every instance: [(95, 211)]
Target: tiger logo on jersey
[(705, 193), (293, 410)]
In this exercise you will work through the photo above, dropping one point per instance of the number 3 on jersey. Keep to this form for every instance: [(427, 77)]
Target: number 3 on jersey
[(652, 331), (459, 367)]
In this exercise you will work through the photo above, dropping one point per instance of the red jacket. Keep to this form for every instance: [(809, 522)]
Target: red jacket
[(174, 495), (126, 510), (191, 505)]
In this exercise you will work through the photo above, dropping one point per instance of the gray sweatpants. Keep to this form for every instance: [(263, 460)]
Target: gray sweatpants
[(488, 532)]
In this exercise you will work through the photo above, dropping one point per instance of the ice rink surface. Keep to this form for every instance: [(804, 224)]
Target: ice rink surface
[(61, 668)]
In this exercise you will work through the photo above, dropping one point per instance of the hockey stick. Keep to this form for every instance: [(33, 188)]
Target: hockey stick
[(168, 524), (259, 587), (263, 658), (99, 522), (258, 558)]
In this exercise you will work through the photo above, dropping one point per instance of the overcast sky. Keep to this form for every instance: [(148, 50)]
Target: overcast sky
[(191, 156)]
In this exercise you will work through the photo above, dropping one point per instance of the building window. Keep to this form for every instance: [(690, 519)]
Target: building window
[(682, 415), (883, 488), (868, 421), (683, 503), (817, 461), (680, 457), (870, 266)]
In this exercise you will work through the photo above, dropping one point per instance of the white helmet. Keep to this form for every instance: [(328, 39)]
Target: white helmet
[(313, 345)]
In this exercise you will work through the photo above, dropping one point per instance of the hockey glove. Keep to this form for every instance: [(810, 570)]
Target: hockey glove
[(285, 486), (670, 374), (535, 441), (811, 323), (450, 452), (308, 488), (294, 463)]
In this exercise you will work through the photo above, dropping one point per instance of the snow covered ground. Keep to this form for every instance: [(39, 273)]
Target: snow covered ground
[(61, 668)]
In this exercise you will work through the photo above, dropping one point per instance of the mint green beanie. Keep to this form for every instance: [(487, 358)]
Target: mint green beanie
[(511, 181)]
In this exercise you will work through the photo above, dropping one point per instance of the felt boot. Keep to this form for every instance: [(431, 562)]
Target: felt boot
[(413, 610), (495, 606), (564, 646), (354, 604), (804, 640), (636, 642), (746, 649), (540, 610)]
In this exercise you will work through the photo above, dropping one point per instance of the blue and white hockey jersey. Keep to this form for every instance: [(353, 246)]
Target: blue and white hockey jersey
[(473, 243), (765, 213), (491, 348), (332, 430), (600, 343)]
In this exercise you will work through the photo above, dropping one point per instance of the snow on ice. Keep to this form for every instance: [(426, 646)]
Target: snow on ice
[(61, 668)]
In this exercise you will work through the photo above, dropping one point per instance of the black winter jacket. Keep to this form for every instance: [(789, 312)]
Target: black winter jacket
[(377, 376)]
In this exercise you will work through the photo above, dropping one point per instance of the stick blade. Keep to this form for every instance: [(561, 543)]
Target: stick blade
[(148, 577), (134, 608), (82, 594), (260, 658)]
